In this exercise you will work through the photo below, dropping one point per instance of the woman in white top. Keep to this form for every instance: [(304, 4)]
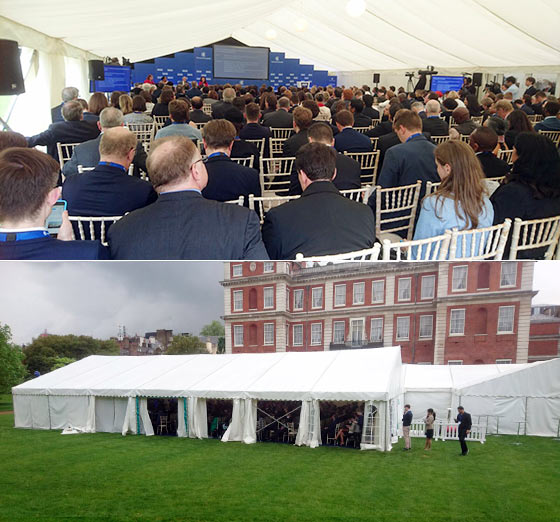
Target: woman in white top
[(429, 421), (138, 114)]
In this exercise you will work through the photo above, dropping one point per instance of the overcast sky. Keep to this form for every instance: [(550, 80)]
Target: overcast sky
[(94, 298)]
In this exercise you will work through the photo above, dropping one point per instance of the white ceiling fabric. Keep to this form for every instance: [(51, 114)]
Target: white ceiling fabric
[(395, 35)]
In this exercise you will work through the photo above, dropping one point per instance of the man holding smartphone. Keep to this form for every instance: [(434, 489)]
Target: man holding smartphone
[(28, 193)]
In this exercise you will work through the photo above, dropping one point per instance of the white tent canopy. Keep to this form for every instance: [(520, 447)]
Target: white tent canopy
[(468, 34)]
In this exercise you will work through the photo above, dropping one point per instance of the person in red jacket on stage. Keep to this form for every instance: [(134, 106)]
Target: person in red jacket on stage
[(202, 82), (150, 79)]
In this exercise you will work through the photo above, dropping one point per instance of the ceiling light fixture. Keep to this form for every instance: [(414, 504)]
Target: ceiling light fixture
[(301, 24), (271, 34)]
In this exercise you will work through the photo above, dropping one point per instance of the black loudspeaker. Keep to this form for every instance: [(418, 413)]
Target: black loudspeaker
[(376, 78), (11, 79), (477, 79), (96, 70)]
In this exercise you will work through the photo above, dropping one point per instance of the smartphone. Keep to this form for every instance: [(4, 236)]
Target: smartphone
[(54, 221)]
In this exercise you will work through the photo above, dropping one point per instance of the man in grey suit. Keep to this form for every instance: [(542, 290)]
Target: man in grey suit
[(181, 224), (87, 154), (281, 118)]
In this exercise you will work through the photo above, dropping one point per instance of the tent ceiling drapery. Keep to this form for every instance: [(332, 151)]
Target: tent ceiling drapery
[(469, 34)]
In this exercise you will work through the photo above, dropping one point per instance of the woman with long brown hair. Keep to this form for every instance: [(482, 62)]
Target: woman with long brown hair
[(461, 200)]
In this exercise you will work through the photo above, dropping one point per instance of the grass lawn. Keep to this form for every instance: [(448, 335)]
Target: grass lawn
[(44, 475), (6, 402)]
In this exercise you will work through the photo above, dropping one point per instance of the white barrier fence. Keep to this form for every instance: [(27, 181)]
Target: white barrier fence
[(449, 431)]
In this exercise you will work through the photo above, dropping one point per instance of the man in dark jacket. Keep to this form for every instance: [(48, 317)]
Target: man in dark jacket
[(281, 118), (321, 221), (406, 422), (348, 139), (360, 119), (432, 123), (465, 425), (68, 94), (197, 114), (483, 141), (303, 118)]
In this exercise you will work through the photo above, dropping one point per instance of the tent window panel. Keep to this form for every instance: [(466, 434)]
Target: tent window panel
[(426, 326), (339, 295), (317, 297), (269, 297), (238, 335), (358, 293), (269, 333), (298, 334), (459, 280), (316, 333), (404, 289), (298, 299), (457, 323), (378, 291), (238, 300), (428, 287), (376, 333), (508, 275), (339, 331), (403, 328), (505, 319)]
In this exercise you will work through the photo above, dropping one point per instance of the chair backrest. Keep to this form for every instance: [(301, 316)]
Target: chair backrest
[(374, 142), (282, 132), (259, 143), (452, 121), (440, 139), (506, 155), (480, 243), (402, 200), (363, 130), (535, 233), (553, 135), (375, 122), (275, 174), (246, 162), (159, 122), (430, 249), (200, 125), (239, 201), (207, 108), (465, 137), (477, 119), (368, 254), (65, 151), (91, 222), (145, 133), (369, 162), (360, 194), (276, 146), (432, 187), (263, 204)]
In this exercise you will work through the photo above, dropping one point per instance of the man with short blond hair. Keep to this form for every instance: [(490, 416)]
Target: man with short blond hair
[(182, 224), (503, 109)]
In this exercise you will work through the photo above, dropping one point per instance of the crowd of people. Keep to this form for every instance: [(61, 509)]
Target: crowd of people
[(177, 210)]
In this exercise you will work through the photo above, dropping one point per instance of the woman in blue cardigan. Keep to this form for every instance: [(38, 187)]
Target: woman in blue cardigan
[(461, 201)]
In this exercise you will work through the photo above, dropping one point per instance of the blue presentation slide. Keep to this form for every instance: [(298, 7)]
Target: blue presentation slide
[(447, 83), (116, 79)]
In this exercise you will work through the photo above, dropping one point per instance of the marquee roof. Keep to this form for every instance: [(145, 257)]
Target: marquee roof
[(468, 34)]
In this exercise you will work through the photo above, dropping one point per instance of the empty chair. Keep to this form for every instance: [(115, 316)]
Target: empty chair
[(97, 226), (430, 249), (540, 236), (65, 151), (369, 162), (368, 254), (395, 210), (259, 144), (275, 174), (246, 162), (264, 203), (480, 243), (506, 155), (284, 133)]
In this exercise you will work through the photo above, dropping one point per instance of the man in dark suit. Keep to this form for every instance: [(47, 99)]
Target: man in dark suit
[(540, 99), (385, 127), (551, 122), (368, 107), (68, 94), (227, 180), (182, 224), (432, 123), (348, 139), (483, 141), (253, 130), (281, 118), (108, 190), (347, 170), (194, 91), (530, 84), (465, 425), (220, 108), (360, 119), (87, 154), (303, 118), (321, 221), (197, 114), (72, 130), (27, 196)]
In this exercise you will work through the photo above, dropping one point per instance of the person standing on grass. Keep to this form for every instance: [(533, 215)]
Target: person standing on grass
[(429, 421), (406, 422), (465, 425)]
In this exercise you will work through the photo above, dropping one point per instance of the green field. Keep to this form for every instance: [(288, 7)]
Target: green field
[(6, 402), (44, 475)]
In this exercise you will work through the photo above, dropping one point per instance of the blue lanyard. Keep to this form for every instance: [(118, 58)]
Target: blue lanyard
[(217, 154), (111, 164), (413, 136), (22, 236)]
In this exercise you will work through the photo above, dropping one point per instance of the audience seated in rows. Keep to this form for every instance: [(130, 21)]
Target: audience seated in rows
[(517, 123), (241, 148), (27, 196), (432, 123), (360, 119), (197, 115), (72, 130), (483, 141), (463, 123), (280, 118), (313, 223), (348, 139), (181, 224), (220, 108), (180, 126), (227, 180), (138, 112), (87, 154), (161, 107), (253, 130), (368, 109), (108, 190), (551, 121), (347, 169), (499, 126), (303, 118), (88, 116), (67, 94)]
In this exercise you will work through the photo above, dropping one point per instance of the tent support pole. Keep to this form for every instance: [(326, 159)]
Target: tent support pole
[(137, 415), (185, 415)]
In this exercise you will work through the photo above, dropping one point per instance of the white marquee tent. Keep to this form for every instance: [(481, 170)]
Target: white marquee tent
[(104, 393)]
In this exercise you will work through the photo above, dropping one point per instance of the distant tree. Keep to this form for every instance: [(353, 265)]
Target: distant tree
[(221, 345), (43, 352), (214, 328), (59, 362), (186, 345), (12, 369)]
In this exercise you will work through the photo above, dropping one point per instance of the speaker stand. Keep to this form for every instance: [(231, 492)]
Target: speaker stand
[(5, 126)]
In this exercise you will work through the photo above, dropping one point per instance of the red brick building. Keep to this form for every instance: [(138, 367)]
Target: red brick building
[(544, 337), (457, 312)]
